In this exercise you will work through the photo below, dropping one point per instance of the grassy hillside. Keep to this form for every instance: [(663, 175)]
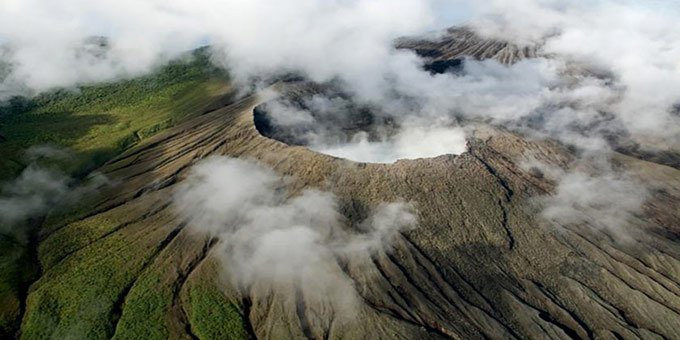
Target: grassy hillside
[(100, 121), (96, 123)]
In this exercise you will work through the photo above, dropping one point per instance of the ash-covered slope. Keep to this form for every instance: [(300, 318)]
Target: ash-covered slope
[(479, 264)]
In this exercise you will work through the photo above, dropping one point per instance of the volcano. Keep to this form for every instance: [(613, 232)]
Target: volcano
[(481, 262)]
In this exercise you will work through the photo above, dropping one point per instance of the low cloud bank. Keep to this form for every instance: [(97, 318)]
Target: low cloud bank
[(633, 44), (636, 42), (269, 238), (629, 49)]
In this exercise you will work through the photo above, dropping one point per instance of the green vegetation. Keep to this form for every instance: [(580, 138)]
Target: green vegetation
[(100, 121), (96, 122), (214, 317), (153, 309), (146, 308), (211, 314), (15, 270), (81, 296)]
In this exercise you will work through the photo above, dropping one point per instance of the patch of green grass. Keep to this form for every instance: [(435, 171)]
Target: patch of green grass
[(214, 317), (149, 312), (149, 305), (83, 232), (146, 309), (211, 314)]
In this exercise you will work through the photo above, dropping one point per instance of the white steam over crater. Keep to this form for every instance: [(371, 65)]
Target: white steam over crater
[(409, 143), (341, 126)]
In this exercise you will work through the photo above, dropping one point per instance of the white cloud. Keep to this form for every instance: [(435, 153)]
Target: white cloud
[(270, 239), (608, 201), (40, 188), (637, 42), (352, 40), (259, 36), (32, 193)]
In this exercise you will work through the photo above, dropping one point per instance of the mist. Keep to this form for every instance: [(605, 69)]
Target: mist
[(606, 201), (592, 192), (270, 238), (636, 42), (42, 187)]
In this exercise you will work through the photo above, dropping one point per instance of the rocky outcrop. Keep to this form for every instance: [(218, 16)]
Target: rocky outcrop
[(447, 51)]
